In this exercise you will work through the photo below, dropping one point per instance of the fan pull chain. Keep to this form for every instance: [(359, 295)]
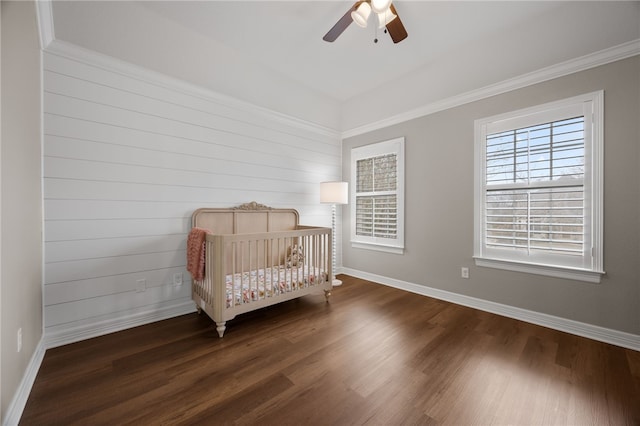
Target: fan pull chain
[(375, 40)]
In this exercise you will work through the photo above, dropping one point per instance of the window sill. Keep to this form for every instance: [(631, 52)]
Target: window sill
[(377, 247), (547, 270)]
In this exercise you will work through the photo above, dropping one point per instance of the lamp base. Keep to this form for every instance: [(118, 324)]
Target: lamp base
[(336, 282)]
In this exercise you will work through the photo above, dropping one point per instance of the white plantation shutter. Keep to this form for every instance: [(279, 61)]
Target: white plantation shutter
[(538, 188), (538, 219), (535, 188), (377, 171), (376, 216), (376, 210)]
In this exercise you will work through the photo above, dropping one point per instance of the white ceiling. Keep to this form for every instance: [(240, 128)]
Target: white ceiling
[(287, 36), (272, 53)]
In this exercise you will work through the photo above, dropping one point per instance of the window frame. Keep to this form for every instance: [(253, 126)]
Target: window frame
[(393, 146), (590, 267)]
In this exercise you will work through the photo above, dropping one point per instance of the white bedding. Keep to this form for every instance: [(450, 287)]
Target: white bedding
[(261, 283)]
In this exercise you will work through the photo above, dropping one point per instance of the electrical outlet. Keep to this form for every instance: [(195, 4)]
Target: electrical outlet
[(464, 273), (19, 339), (141, 285), (177, 278)]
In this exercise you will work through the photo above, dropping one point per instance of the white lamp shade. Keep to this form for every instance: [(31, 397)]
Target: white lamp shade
[(334, 192), (385, 17), (361, 14), (380, 6)]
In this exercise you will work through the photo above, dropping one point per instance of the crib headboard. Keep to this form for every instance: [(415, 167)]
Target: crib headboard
[(247, 218), (250, 218)]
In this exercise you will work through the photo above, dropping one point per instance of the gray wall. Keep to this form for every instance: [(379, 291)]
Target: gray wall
[(21, 279), (439, 205)]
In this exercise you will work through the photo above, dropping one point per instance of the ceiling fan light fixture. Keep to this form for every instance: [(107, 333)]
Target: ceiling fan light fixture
[(361, 14), (380, 6), (385, 17)]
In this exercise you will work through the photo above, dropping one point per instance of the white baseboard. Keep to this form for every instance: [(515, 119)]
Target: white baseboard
[(614, 337), (19, 401), (64, 336), (86, 331)]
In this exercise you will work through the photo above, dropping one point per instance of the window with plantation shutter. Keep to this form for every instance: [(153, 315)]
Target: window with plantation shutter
[(378, 194), (538, 189)]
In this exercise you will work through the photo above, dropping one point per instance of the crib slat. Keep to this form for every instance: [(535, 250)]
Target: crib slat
[(261, 258)]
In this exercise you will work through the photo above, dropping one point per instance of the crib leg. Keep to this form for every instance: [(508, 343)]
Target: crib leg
[(220, 327), (327, 294)]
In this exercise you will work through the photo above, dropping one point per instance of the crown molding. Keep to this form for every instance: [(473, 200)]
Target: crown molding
[(58, 47), (44, 15), (592, 60), (601, 334), (112, 64)]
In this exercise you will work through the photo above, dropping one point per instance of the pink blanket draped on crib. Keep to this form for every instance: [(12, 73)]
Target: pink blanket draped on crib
[(195, 252)]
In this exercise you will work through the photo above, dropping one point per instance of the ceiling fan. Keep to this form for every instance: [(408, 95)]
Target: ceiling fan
[(359, 13)]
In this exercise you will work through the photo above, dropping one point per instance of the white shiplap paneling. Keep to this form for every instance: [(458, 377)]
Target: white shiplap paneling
[(127, 160), (82, 229)]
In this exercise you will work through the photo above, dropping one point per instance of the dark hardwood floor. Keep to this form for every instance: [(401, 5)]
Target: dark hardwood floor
[(373, 355)]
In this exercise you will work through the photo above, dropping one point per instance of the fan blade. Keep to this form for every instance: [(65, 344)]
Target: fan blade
[(341, 25), (395, 27)]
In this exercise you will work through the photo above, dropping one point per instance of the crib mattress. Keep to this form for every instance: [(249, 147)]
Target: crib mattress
[(258, 284)]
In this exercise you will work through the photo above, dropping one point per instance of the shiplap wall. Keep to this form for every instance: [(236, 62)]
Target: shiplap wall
[(128, 156)]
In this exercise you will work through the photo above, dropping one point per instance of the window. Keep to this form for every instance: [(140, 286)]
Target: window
[(377, 191), (538, 197)]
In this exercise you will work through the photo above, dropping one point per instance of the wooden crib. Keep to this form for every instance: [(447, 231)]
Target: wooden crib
[(257, 256)]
